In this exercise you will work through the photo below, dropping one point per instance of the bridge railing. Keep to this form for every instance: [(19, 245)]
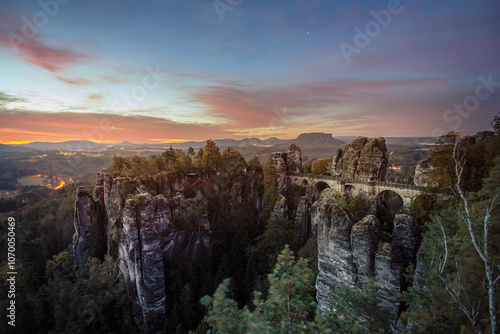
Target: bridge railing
[(354, 182)]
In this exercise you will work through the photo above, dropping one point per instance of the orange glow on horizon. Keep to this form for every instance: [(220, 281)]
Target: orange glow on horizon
[(16, 142), (159, 141)]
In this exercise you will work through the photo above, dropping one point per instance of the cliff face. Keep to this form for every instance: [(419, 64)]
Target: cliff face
[(88, 224), (364, 159), (350, 252), (145, 221), (144, 224)]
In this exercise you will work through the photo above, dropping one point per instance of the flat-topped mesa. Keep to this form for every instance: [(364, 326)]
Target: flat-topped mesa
[(363, 160)]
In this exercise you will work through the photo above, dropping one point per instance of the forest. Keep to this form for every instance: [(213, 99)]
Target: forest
[(259, 275)]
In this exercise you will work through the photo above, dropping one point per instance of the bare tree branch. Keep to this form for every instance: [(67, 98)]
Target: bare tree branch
[(483, 253)]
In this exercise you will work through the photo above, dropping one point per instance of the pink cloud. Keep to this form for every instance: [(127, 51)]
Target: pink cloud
[(34, 48), (38, 53), (244, 107), (73, 81)]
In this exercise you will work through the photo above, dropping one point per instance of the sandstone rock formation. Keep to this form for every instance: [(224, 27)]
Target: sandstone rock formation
[(280, 208), (125, 219), (293, 160), (335, 259), (287, 163), (350, 252), (145, 219), (365, 236), (302, 219), (279, 161), (87, 223), (364, 160), (326, 197), (423, 172)]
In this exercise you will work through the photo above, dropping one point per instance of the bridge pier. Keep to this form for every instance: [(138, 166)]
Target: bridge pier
[(407, 201)]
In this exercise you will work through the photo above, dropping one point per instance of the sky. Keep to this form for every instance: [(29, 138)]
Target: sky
[(175, 70)]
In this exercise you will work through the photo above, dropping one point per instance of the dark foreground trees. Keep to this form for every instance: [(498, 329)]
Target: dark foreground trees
[(459, 265), (289, 306)]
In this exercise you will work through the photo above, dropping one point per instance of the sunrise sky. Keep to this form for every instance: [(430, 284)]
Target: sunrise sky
[(172, 70)]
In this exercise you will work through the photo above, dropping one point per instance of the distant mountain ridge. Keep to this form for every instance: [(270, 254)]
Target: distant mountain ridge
[(75, 145), (313, 145), (13, 148)]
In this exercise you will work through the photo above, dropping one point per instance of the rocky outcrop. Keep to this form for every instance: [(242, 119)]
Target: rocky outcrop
[(364, 160), (388, 276), (351, 252), (145, 220), (88, 240), (280, 210), (143, 228), (302, 219), (391, 261), (335, 259), (405, 236), (326, 197), (293, 160), (423, 172), (287, 163), (279, 162), (364, 240)]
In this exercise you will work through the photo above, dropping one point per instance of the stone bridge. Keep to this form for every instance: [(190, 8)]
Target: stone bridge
[(371, 188)]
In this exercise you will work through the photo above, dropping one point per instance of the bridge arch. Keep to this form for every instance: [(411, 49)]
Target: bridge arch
[(319, 187), (392, 198)]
